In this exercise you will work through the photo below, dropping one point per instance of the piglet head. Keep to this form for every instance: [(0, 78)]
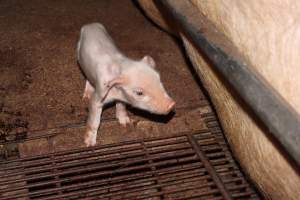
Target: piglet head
[(142, 88)]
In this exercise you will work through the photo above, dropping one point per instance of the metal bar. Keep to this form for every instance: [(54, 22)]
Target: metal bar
[(79, 170), (153, 169), (39, 166), (209, 167), (84, 184), (276, 114), (106, 146), (122, 193), (196, 197), (75, 160), (100, 165), (194, 187), (79, 177), (123, 190), (125, 173), (65, 172), (247, 193), (170, 191)]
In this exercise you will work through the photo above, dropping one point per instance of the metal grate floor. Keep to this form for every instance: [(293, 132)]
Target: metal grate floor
[(190, 166)]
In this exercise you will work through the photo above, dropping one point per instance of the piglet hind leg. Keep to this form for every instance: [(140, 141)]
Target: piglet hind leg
[(93, 122), (121, 114), (88, 90)]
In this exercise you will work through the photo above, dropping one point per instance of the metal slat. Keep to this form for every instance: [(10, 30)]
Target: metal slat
[(152, 168), (209, 167)]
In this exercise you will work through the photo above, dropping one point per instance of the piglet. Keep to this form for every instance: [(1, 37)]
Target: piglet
[(113, 77)]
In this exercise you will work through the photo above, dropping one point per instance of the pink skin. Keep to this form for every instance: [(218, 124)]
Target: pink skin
[(111, 76)]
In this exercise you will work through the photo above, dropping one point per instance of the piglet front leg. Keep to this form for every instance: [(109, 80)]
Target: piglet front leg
[(88, 90), (94, 118), (121, 114)]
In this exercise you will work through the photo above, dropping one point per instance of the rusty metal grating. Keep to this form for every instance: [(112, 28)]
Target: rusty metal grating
[(190, 166)]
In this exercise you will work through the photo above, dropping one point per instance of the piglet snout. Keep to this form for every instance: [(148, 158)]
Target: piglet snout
[(167, 107), (171, 105)]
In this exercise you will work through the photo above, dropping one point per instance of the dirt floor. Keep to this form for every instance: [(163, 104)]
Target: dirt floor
[(41, 85)]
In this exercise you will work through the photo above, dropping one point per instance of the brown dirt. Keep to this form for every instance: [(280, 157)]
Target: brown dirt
[(41, 85)]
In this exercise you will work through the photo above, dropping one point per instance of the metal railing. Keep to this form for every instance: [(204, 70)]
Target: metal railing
[(280, 119)]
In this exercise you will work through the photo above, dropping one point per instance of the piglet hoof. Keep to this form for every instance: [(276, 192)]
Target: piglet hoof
[(86, 96), (90, 139), (124, 120)]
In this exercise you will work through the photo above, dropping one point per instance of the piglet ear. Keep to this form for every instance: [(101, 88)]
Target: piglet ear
[(149, 60)]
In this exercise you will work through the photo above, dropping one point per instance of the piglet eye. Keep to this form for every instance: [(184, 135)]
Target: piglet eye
[(139, 92)]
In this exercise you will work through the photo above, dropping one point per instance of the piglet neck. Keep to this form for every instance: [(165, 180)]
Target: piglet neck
[(125, 63)]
